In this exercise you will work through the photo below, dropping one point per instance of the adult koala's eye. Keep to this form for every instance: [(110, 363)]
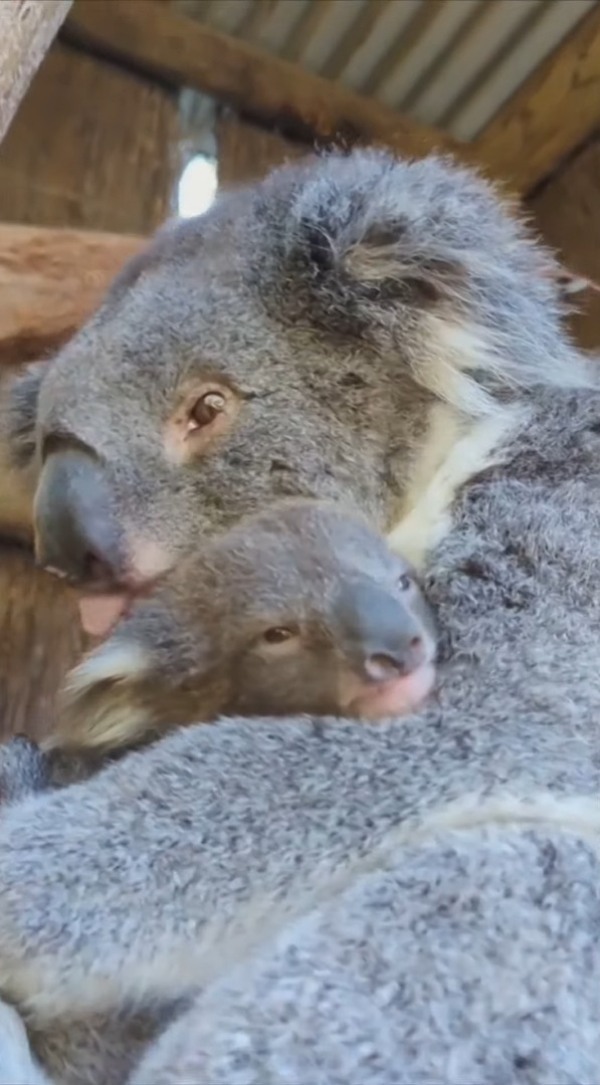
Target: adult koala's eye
[(404, 582), (206, 412), (206, 409), (278, 634)]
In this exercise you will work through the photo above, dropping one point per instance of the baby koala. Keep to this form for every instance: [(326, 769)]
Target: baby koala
[(301, 608)]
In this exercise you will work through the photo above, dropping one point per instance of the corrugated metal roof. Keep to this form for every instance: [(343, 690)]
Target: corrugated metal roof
[(450, 63)]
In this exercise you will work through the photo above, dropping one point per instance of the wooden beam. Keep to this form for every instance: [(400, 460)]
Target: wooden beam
[(156, 40), (50, 282), (27, 28), (552, 114)]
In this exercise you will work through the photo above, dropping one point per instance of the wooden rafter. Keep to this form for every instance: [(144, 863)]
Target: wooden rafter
[(552, 114), (27, 29), (156, 40)]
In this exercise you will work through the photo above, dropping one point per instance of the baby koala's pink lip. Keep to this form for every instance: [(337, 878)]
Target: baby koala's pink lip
[(394, 697)]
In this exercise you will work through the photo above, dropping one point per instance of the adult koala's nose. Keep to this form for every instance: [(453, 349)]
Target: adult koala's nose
[(76, 533)]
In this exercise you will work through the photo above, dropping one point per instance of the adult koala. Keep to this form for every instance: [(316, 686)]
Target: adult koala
[(335, 331), (408, 903)]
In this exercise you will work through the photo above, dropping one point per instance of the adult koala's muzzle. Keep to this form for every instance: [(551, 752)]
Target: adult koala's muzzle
[(76, 533)]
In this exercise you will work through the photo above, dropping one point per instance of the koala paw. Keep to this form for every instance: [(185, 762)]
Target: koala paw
[(23, 769)]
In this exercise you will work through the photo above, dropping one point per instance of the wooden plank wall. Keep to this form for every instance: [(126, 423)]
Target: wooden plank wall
[(246, 152), (91, 146), (566, 210), (40, 640)]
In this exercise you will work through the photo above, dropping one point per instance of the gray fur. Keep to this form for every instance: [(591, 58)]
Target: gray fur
[(415, 901), (357, 621), (23, 770), (311, 294), (395, 882)]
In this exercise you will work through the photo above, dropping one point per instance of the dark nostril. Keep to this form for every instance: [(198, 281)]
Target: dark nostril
[(95, 569)]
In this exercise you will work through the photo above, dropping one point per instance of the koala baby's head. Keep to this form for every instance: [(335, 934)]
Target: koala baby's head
[(290, 342), (299, 609)]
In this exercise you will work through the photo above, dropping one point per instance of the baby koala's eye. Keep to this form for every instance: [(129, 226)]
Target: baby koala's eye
[(206, 409), (278, 634), (404, 582)]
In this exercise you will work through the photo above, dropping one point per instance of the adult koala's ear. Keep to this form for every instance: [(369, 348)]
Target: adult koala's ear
[(357, 230), (424, 260), (19, 404)]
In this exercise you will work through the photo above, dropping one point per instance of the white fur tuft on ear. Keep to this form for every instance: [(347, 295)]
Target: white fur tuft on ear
[(117, 661), (377, 259), (100, 709)]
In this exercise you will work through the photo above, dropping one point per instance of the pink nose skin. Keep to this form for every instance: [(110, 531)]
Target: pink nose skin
[(392, 696)]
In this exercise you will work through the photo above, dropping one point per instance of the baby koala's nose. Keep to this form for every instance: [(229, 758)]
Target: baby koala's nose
[(389, 663)]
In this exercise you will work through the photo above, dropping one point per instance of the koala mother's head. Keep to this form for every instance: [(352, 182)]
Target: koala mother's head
[(292, 341)]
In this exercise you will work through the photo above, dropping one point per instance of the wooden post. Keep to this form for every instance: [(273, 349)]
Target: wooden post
[(27, 28)]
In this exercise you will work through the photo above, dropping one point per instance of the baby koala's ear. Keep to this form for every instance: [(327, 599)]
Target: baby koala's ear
[(100, 705), (142, 679)]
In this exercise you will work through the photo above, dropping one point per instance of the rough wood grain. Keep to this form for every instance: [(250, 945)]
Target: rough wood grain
[(40, 640), (91, 146), (50, 282), (154, 39), (567, 213), (552, 114), (27, 27)]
